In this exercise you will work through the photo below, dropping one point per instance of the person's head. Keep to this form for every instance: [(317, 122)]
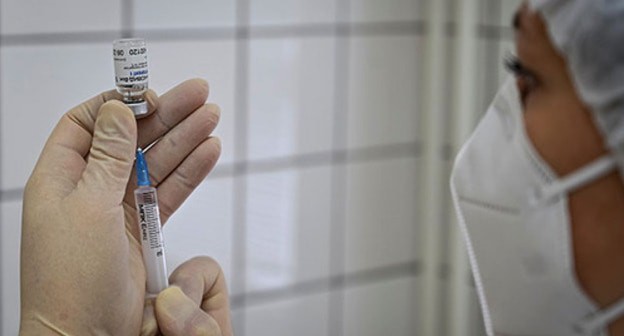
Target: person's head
[(572, 115), (564, 132)]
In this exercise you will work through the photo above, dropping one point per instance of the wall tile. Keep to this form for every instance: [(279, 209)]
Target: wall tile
[(280, 12), (290, 97), (39, 84), (383, 90), (203, 226), (10, 238), (385, 308), (381, 208), (287, 227), (497, 12), (388, 10), (174, 62), (163, 14), (32, 16), (475, 318), (302, 316), (238, 320)]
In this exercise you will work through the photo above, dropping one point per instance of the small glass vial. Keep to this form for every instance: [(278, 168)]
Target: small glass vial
[(131, 73)]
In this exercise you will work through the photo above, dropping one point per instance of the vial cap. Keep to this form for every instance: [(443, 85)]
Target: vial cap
[(141, 169), (139, 109)]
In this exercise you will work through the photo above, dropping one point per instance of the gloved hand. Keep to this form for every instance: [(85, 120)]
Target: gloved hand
[(81, 267), (195, 304)]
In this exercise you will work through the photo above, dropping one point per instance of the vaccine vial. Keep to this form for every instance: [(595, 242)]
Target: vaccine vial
[(131, 73)]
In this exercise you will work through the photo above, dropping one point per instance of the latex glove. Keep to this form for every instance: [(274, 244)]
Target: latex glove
[(195, 304), (81, 267)]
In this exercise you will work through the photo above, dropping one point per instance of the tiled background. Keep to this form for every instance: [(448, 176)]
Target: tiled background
[(314, 210)]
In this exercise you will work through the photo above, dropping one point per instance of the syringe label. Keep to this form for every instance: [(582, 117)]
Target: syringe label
[(150, 227)]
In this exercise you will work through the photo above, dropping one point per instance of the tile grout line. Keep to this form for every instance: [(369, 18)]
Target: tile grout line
[(286, 163), (239, 197), (492, 68), (127, 18), (388, 28), (2, 224), (339, 173), (330, 284), (493, 58)]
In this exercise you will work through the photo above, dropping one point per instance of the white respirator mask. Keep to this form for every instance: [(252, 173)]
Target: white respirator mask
[(513, 210)]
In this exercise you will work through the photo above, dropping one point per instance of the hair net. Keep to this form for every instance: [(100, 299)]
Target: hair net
[(590, 34)]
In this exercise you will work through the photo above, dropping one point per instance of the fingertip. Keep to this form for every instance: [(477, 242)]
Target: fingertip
[(152, 101), (177, 314), (116, 104), (196, 275), (116, 113), (215, 111), (173, 304), (209, 152), (201, 83), (166, 294), (199, 87), (110, 95), (112, 152), (206, 118), (198, 263), (167, 299), (216, 142), (116, 121)]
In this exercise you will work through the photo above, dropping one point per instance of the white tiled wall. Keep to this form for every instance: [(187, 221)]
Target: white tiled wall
[(380, 233), (385, 308), (288, 228), (39, 84), (301, 73), (31, 16), (292, 78), (293, 12), (163, 14), (386, 11), (202, 226), (304, 316), (383, 90), (10, 236)]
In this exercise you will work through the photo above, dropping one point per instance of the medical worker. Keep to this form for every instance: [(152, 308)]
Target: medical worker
[(539, 186)]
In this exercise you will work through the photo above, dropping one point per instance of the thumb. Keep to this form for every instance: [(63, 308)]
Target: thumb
[(110, 159), (177, 315)]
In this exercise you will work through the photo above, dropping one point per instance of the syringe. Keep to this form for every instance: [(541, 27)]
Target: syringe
[(150, 229)]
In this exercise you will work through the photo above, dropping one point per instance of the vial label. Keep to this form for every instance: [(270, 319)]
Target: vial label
[(130, 65)]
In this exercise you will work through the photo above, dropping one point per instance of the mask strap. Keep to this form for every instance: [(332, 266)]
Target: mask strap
[(576, 179), (601, 319)]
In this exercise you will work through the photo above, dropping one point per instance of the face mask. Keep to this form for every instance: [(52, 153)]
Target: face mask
[(513, 211)]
